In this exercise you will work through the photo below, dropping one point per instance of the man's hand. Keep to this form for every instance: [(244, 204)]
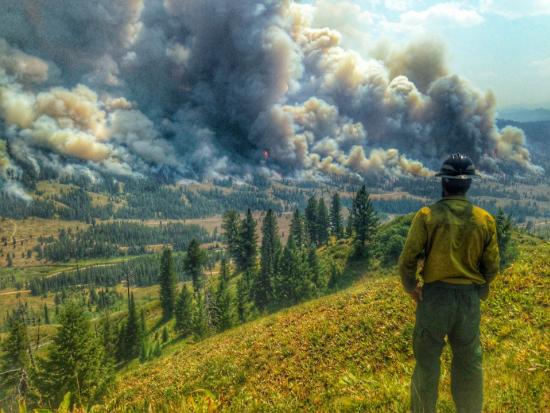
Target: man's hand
[(416, 294)]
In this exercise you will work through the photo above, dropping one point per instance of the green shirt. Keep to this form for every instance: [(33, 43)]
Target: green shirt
[(457, 240)]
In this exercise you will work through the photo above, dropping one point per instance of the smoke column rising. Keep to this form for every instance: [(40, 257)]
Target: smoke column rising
[(204, 88)]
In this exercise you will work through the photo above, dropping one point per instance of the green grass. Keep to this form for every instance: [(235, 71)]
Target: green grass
[(351, 351)]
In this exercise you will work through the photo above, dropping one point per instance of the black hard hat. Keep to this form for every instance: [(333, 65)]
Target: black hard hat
[(457, 166)]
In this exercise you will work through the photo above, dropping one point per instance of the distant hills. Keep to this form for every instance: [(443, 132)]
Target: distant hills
[(524, 115)]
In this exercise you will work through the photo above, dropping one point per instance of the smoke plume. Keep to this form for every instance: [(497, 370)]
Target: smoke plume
[(203, 88)]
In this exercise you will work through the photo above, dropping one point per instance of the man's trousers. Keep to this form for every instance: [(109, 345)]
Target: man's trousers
[(450, 311)]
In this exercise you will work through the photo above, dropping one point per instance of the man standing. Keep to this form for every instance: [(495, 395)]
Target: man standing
[(457, 242)]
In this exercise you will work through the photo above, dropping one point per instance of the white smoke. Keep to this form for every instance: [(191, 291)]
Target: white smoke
[(206, 87)]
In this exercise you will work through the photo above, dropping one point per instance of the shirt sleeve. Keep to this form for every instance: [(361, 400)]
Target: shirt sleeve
[(490, 259), (412, 251)]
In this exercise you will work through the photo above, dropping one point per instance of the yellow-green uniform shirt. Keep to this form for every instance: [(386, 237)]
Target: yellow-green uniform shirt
[(457, 240)]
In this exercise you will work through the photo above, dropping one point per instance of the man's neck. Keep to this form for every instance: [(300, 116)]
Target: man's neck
[(446, 194)]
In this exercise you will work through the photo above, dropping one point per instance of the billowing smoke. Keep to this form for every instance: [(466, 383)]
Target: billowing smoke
[(214, 87)]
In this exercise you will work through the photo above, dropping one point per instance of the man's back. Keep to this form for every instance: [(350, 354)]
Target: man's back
[(457, 240)]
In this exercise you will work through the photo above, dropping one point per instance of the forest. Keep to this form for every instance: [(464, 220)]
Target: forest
[(255, 278)]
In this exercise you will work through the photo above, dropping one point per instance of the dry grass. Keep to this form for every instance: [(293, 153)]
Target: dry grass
[(351, 352)]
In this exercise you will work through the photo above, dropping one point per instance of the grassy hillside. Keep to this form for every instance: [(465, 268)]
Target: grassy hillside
[(351, 351)]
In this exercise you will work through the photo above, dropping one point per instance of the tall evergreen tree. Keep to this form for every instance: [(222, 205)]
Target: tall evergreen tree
[(248, 243), (262, 289), (315, 269), (167, 284), (15, 362), (336, 220), (297, 230), (108, 333), (46, 314), (310, 213), (223, 300), (293, 283), (131, 334), (76, 362), (194, 264), (322, 222), (200, 315), (242, 299), (184, 311), (504, 237), (349, 223), (231, 226), (365, 222)]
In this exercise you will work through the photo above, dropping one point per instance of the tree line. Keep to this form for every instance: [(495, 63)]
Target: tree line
[(108, 239)]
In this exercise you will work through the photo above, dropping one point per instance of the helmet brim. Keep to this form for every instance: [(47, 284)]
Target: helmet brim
[(458, 177)]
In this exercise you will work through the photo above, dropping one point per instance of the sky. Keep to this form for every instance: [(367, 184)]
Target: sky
[(501, 45)]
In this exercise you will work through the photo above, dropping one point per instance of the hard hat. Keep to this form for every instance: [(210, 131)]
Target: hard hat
[(457, 166)]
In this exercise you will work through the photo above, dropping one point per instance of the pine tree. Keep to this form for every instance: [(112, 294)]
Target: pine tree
[(131, 335), (349, 224), (200, 316), (76, 362), (193, 264), (242, 299), (315, 269), (293, 282), (365, 222), (504, 237), (165, 336), (336, 220), (262, 288), (310, 213), (108, 337), (16, 358), (184, 312), (223, 299), (231, 226), (248, 243), (46, 315), (167, 284), (322, 222), (297, 231)]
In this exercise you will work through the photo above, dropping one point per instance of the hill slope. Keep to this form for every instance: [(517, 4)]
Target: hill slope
[(351, 352)]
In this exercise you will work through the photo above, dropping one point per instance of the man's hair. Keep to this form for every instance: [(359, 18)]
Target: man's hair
[(456, 186)]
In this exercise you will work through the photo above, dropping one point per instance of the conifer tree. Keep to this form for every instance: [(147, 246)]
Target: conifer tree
[(349, 224), (15, 362), (322, 222), (108, 333), (184, 311), (336, 220), (365, 222), (231, 226), (46, 314), (194, 264), (131, 335), (248, 243), (167, 284), (315, 269), (242, 299), (297, 231), (76, 362), (200, 316), (262, 289), (223, 299), (293, 282), (310, 213)]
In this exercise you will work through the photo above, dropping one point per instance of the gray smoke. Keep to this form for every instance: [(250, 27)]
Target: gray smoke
[(216, 87)]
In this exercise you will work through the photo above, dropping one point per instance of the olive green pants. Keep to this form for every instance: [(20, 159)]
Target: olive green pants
[(447, 311)]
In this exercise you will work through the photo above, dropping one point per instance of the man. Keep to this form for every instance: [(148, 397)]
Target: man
[(457, 242)]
